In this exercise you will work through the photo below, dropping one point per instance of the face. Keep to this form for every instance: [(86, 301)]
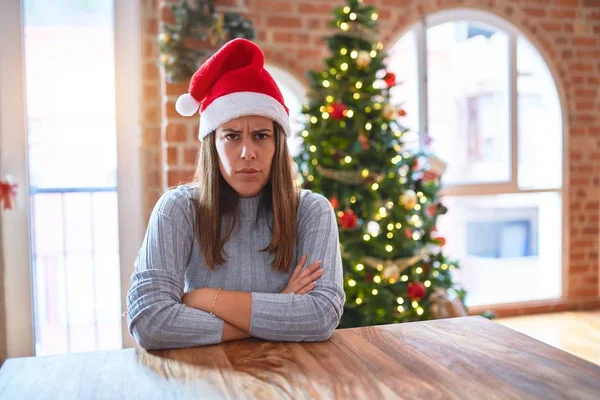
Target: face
[(246, 147)]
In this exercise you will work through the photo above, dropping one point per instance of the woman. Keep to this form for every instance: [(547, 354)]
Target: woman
[(240, 252)]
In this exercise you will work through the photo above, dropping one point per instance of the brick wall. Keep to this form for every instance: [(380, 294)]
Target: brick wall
[(566, 32), (152, 140)]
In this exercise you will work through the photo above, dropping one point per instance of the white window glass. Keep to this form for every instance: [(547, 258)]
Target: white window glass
[(402, 61), (509, 245), (539, 122), (70, 93), (468, 104)]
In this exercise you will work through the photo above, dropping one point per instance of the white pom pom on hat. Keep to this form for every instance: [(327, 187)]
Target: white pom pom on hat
[(233, 83), (186, 105)]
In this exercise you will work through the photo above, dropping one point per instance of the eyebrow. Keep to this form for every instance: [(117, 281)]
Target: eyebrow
[(231, 130)]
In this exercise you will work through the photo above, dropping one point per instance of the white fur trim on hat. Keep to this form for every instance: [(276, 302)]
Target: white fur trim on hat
[(239, 104)]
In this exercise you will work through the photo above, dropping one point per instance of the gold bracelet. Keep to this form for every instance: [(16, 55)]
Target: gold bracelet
[(213, 304)]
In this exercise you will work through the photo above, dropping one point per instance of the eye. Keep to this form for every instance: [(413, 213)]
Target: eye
[(232, 136), (262, 136)]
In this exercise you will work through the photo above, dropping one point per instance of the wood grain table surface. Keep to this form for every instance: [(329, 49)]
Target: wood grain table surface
[(460, 358)]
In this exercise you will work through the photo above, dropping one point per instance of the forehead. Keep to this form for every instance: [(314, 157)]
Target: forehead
[(251, 121)]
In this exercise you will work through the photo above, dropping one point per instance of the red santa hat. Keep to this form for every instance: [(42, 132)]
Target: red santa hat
[(233, 83)]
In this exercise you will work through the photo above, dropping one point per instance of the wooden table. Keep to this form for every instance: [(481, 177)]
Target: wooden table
[(466, 358)]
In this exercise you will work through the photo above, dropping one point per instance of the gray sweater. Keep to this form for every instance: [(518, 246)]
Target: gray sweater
[(169, 264)]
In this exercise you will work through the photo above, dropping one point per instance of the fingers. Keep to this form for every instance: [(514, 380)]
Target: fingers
[(311, 277), (299, 267), (311, 268), (307, 288)]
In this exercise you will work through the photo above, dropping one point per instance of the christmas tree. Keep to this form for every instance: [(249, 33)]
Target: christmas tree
[(386, 198)]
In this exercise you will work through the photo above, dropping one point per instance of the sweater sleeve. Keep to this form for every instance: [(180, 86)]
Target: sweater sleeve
[(315, 315), (156, 317)]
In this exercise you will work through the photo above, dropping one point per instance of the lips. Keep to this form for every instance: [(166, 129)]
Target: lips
[(248, 172)]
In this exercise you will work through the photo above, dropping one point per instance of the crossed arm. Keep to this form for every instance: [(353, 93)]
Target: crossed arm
[(235, 308), (161, 315)]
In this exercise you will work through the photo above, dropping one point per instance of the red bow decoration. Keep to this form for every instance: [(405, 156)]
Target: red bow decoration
[(8, 191)]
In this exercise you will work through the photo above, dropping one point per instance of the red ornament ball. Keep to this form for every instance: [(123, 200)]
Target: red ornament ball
[(348, 220), (416, 290), (390, 79), (337, 111), (334, 202), (432, 210)]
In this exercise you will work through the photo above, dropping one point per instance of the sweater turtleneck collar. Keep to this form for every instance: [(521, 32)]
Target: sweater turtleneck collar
[(248, 206)]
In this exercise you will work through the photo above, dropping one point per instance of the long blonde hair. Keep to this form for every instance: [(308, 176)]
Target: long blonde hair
[(217, 198)]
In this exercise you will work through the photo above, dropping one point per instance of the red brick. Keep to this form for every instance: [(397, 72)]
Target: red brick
[(151, 136), (551, 26), (228, 3), (282, 37), (585, 93), (560, 13), (592, 54), (171, 113), (584, 41), (585, 292), (152, 178), (591, 3), (151, 26), (567, 54), (309, 53), (585, 105), (534, 12), (284, 22), (315, 8), (583, 67), (151, 72), (176, 177), (314, 23), (384, 14), (579, 181), (177, 133), (190, 155), (568, 3), (270, 6), (151, 92), (151, 116), (166, 15), (172, 154), (590, 231), (577, 257)]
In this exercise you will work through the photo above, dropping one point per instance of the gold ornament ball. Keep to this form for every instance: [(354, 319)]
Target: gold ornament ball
[(164, 37), (363, 59), (408, 199), (389, 111)]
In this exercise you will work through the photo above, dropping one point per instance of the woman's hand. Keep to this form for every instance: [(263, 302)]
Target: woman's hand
[(303, 281)]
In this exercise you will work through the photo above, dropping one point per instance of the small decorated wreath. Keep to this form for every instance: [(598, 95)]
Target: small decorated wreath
[(196, 21)]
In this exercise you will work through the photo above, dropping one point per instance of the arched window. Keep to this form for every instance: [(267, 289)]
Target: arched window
[(483, 99), (294, 95)]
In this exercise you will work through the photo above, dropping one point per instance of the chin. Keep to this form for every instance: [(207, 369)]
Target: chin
[(249, 189)]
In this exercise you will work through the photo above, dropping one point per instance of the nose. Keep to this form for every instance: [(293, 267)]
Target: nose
[(248, 151)]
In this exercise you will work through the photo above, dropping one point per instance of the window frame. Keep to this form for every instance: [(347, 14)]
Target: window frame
[(510, 187)]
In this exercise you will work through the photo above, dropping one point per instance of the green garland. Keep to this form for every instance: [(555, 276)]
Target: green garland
[(196, 20)]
